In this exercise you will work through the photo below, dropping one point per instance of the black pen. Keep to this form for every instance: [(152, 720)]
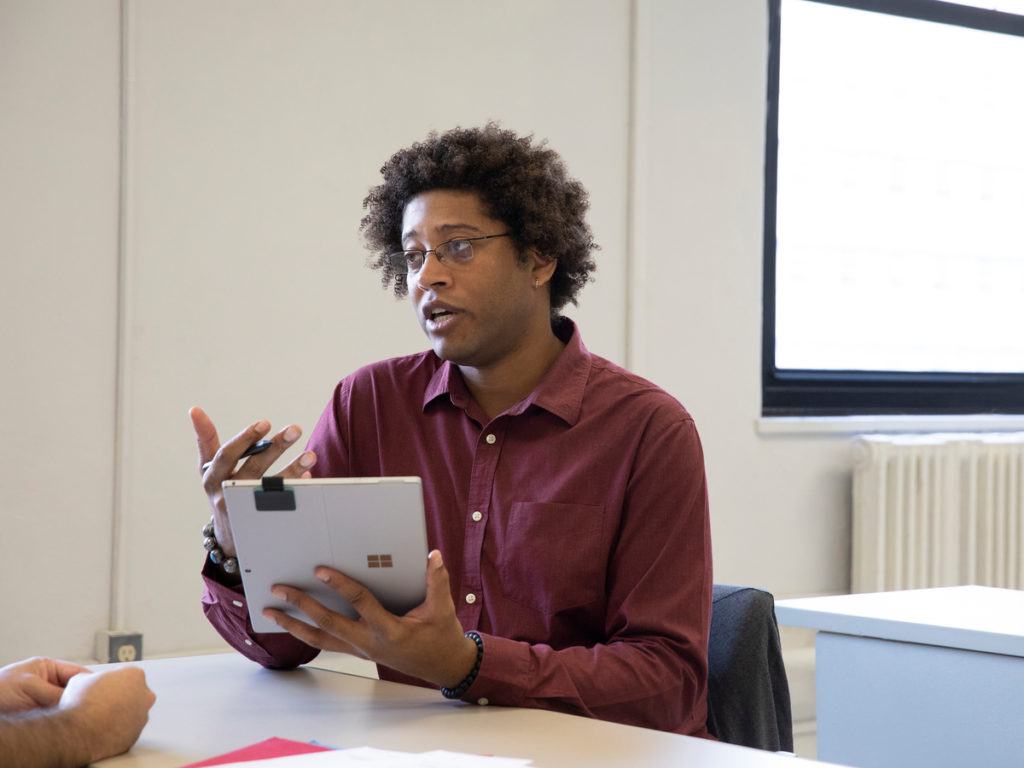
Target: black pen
[(252, 450)]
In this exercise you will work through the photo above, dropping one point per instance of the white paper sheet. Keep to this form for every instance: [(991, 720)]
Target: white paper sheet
[(365, 757)]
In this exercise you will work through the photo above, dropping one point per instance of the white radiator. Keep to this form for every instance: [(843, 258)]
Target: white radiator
[(938, 510)]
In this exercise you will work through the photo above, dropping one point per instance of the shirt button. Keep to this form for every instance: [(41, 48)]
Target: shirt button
[(470, 598), (238, 603), (483, 701), (491, 439), (248, 641), (477, 516)]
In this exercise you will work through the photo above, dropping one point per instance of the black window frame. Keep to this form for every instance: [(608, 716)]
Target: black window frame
[(788, 392)]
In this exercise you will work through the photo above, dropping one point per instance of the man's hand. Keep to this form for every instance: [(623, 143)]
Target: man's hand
[(107, 709), (34, 683), (224, 457), (427, 642), (56, 713)]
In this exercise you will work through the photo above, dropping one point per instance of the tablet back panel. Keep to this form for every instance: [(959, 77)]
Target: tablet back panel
[(371, 529)]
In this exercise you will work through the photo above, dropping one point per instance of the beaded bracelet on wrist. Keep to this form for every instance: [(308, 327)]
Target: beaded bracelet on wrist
[(217, 557), (460, 690)]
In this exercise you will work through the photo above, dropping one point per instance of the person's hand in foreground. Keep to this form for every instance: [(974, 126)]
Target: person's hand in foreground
[(53, 713)]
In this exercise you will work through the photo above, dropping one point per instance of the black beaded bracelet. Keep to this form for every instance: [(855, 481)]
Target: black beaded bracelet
[(460, 690), (211, 545)]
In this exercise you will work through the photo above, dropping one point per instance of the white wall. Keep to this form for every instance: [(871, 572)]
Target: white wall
[(252, 130), (780, 506), (58, 316)]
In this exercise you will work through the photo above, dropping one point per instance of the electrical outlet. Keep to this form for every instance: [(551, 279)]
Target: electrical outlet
[(118, 646)]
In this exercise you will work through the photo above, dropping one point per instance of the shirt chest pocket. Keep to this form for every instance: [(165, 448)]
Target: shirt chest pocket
[(552, 557)]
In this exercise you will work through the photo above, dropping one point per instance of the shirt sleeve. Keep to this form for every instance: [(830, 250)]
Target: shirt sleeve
[(651, 667), (226, 609)]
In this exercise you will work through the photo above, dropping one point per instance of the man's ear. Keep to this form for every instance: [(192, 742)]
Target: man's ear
[(541, 267)]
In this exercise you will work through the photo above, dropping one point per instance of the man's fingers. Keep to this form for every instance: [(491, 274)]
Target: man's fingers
[(311, 635), (64, 670), (318, 613), (374, 620), (438, 587), (225, 458), (329, 630), (359, 597), (206, 434), (300, 466), (258, 464), (43, 692)]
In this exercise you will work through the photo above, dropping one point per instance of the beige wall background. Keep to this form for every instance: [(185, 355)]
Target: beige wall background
[(180, 191)]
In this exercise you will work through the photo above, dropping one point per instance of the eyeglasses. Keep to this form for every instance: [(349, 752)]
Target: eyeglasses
[(457, 251)]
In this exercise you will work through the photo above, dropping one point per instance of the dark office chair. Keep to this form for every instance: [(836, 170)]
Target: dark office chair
[(748, 694)]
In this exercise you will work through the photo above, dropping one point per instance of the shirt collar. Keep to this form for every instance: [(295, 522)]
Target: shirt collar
[(559, 392)]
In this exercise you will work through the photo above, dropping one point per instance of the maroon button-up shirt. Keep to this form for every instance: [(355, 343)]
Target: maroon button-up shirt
[(574, 527)]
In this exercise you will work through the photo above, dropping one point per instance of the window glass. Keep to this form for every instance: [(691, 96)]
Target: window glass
[(896, 239)]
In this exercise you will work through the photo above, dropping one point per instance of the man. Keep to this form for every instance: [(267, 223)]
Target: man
[(566, 495), (56, 714)]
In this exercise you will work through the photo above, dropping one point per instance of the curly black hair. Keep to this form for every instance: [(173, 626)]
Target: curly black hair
[(521, 183)]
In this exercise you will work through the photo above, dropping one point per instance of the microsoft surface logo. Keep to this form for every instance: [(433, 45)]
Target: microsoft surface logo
[(378, 561)]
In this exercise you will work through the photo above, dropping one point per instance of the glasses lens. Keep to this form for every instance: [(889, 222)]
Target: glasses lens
[(406, 261), (456, 251)]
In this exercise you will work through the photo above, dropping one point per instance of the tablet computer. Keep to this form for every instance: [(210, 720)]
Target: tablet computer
[(371, 529)]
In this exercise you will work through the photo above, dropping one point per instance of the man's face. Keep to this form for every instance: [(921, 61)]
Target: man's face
[(477, 313)]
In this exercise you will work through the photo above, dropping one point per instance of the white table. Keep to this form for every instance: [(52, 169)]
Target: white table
[(931, 677), (208, 705)]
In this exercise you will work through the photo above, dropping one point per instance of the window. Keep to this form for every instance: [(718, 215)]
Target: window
[(894, 208)]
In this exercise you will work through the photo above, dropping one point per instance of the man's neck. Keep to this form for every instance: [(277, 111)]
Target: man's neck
[(498, 388)]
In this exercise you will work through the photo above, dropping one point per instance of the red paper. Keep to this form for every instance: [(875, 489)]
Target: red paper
[(274, 747)]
